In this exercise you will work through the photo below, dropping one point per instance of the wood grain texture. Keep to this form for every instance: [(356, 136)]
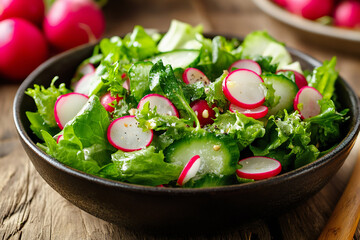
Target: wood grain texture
[(30, 209), (343, 221)]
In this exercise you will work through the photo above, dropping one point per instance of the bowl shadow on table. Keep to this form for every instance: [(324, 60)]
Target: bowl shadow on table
[(151, 209)]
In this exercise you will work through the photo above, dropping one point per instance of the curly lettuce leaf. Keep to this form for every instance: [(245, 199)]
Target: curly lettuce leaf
[(215, 95), (173, 127), (194, 91), (163, 77), (288, 140), (325, 127), (145, 167), (244, 130), (45, 98)]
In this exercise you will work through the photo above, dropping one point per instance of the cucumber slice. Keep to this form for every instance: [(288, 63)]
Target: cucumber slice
[(260, 43), (219, 155), (285, 88), (179, 58)]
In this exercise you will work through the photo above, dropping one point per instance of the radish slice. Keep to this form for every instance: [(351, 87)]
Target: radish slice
[(162, 104), (86, 69), (84, 84), (243, 88), (300, 79), (258, 168), (126, 84), (190, 170), (59, 138), (256, 113), (106, 100), (193, 75), (67, 106), (246, 64), (306, 102), (124, 134)]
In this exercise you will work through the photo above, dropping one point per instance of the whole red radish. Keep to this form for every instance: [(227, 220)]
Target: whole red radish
[(204, 113), (70, 23), (31, 10), (310, 9), (22, 48), (347, 14)]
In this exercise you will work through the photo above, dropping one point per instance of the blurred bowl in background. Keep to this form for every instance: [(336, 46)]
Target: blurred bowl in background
[(338, 38)]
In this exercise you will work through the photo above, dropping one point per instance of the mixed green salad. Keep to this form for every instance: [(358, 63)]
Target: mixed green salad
[(141, 107)]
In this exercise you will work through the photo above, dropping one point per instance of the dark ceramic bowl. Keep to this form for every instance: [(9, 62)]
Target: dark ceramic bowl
[(148, 208)]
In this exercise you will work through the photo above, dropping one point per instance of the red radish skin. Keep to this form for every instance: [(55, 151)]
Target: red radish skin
[(246, 64), (281, 3), (18, 56), (163, 105), (84, 83), (306, 102), (258, 168), (204, 113), (255, 113), (193, 75), (310, 9), (67, 106), (347, 14), (106, 100), (70, 23), (124, 134), (190, 170), (30, 10), (300, 79), (59, 138), (243, 88)]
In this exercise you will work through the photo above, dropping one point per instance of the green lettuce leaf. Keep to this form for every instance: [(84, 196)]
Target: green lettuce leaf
[(139, 79), (140, 45), (324, 78), (288, 140), (180, 36), (84, 145), (145, 167), (215, 94), (325, 127), (172, 127), (45, 98), (163, 77), (244, 130)]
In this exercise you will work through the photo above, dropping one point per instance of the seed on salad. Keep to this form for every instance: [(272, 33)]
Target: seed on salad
[(216, 147), (205, 114), (132, 111)]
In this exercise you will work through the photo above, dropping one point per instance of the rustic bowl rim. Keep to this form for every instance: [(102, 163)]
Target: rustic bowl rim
[(28, 82)]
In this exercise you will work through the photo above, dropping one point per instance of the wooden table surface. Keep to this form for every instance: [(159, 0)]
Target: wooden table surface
[(30, 209)]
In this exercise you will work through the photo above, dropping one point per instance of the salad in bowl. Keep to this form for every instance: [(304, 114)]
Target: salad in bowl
[(180, 110)]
